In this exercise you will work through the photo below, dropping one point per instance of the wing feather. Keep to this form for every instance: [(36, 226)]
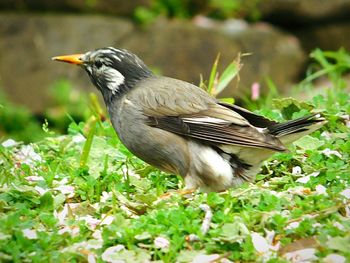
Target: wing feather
[(182, 108)]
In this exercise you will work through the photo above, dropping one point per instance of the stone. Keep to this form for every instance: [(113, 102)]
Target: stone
[(112, 7), (300, 12), (28, 42), (332, 36), (179, 49), (184, 50)]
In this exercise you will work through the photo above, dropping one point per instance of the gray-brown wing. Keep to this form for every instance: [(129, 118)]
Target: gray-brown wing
[(184, 109)]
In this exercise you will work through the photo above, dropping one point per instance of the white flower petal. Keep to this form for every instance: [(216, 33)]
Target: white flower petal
[(108, 254), (296, 170), (346, 193), (105, 196), (334, 258), (206, 258), (321, 190), (34, 178), (91, 221), (9, 143), (40, 190), (260, 244), (293, 225), (326, 135), (91, 258), (30, 233), (304, 179), (161, 242), (302, 255), (328, 152), (27, 155), (65, 189), (338, 225), (107, 220), (93, 244), (97, 234), (78, 138)]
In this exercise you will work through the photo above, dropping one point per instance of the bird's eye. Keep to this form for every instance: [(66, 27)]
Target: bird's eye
[(98, 64)]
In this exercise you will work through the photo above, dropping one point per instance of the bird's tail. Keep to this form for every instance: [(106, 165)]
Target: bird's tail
[(291, 131)]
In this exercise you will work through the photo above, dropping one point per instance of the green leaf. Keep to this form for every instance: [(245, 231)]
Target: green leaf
[(228, 100), (234, 232), (308, 143), (87, 146), (213, 74), (229, 73), (46, 202), (215, 199), (289, 106), (339, 243)]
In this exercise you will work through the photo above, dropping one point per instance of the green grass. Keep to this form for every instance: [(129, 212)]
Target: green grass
[(83, 196)]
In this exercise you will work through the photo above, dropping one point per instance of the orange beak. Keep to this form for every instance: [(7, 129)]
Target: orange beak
[(73, 59)]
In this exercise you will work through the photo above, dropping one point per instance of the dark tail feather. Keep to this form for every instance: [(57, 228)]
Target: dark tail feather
[(292, 130)]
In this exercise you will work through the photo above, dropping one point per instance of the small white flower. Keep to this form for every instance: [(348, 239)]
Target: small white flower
[(109, 254), (72, 230), (293, 225), (315, 225), (27, 155), (328, 152), (61, 216), (299, 190), (306, 178), (302, 255), (64, 181), (161, 242), (91, 221), (34, 178), (334, 258), (40, 190), (97, 234), (105, 196), (270, 235), (303, 180), (9, 143), (346, 193), (91, 258), (78, 138), (338, 225), (30, 233), (260, 244), (206, 258), (66, 190), (326, 135), (321, 190), (296, 170), (107, 220), (93, 244)]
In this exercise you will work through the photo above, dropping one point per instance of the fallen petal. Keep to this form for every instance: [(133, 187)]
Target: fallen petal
[(205, 258), (346, 193), (334, 258), (307, 254), (161, 242), (260, 244), (30, 233)]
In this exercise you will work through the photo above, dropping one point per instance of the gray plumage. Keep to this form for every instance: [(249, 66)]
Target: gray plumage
[(179, 128)]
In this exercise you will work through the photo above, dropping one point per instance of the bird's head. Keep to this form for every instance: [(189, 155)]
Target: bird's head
[(113, 71)]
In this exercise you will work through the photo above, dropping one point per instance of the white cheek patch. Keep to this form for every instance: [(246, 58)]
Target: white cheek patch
[(113, 78)]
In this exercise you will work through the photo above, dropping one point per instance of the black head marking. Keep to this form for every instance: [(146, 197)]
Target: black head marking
[(114, 71)]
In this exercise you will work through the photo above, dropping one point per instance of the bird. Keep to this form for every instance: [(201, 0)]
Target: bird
[(181, 129)]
